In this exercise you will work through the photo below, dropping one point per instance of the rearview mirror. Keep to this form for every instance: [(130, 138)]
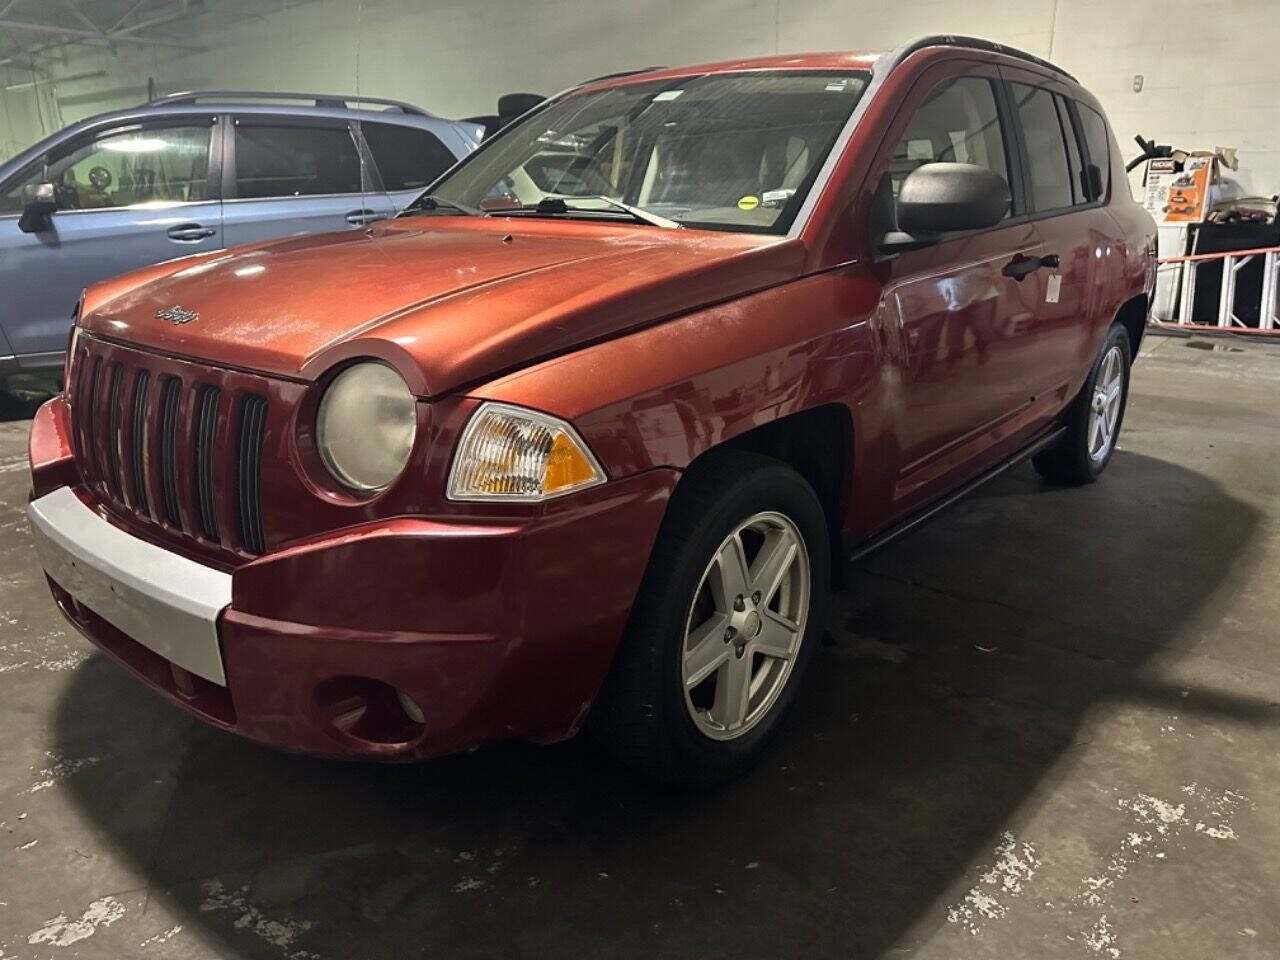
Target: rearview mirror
[(40, 203), (942, 198)]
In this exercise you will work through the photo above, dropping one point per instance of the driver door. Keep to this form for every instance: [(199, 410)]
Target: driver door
[(127, 198), (963, 325)]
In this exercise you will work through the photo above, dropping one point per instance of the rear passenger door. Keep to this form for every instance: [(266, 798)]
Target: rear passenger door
[(1065, 203), (407, 158), (286, 176)]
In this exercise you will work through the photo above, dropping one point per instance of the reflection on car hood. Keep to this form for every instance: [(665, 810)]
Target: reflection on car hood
[(450, 300)]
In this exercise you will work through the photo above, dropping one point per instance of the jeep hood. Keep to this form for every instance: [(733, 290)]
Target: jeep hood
[(448, 300)]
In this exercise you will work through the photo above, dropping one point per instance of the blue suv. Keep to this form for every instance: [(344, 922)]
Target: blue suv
[(190, 173)]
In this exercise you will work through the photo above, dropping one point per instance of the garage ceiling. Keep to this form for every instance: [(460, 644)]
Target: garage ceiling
[(35, 34)]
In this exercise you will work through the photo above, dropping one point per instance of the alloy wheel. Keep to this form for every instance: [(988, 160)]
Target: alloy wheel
[(745, 626), (1104, 406)]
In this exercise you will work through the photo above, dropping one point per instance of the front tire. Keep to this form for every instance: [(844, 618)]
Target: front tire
[(1093, 425), (724, 623)]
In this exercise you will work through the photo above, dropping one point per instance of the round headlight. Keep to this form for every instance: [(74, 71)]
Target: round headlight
[(365, 426)]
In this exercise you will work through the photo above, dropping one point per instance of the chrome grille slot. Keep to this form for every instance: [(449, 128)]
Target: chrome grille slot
[(139, 440), (253, 422), (206, 424), (114, 438), (170, 404), (91, 419)]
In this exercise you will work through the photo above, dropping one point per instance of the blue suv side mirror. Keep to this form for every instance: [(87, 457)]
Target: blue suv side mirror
[(40, 204)]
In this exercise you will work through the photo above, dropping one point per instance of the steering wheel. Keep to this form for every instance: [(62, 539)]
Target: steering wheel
[(100, 177)]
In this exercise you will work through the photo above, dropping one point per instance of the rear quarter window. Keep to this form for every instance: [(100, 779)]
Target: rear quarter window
[(1099, 144), (408, 158), (1079, 183)]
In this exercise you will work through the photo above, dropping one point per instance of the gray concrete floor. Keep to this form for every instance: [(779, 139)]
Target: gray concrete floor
[(1048, 727)]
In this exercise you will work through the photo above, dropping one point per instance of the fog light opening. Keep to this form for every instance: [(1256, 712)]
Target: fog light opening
[(410, 707), (369, 711)]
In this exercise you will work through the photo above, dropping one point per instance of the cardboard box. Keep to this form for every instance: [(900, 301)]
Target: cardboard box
[(1172, 196)]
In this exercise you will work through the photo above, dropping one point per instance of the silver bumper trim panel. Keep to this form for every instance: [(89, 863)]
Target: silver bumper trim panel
[(164, 601)]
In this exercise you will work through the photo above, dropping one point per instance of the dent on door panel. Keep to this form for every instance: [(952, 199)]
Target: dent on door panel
[(967, 377)]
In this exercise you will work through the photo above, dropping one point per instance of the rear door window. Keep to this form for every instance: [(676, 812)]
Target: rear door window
[(294, 161), (1049, 169), (1099, 145), (407, 157), (957, 123)]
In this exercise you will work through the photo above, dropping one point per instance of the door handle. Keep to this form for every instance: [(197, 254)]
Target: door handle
[(1021, 266), (190, 232), (360, 217)]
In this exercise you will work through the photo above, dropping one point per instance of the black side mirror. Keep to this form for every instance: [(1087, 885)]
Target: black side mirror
[(40, 203), (941, 198)]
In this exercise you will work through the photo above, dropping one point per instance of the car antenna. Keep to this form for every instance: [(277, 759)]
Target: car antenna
[(361, 145)]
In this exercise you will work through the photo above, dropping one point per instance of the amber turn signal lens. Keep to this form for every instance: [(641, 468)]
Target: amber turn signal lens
[(567, 466), (509, 453)]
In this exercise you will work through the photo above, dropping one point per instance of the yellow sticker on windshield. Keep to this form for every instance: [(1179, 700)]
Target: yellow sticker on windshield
[(748, 202)]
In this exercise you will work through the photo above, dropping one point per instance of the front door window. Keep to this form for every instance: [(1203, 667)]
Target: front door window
[(957, 123), (159, 165)]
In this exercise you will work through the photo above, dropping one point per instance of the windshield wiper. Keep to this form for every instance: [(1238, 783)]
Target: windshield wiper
[(556, 207), (642, 214), (435, 203)]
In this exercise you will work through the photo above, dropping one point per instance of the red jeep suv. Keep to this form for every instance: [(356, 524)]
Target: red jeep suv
[(583, 435)]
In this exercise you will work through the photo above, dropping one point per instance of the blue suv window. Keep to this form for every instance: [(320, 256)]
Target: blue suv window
[(407, 158), (295, 161), (151, 165)]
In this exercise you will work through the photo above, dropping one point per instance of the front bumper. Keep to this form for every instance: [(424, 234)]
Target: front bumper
[(140, 589), (494, 626)]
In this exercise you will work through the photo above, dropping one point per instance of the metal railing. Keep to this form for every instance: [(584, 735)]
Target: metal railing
[(1180, 273)]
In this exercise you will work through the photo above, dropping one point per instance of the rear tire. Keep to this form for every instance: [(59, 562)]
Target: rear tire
[(726, 619), (1093, 426)]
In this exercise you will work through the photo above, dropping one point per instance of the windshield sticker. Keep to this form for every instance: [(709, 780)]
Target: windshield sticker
[(748, 202), (776, 198), (667, 95), (837, 86)]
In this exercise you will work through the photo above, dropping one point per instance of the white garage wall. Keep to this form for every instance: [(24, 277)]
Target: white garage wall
[(28, 112), (1210, 66)]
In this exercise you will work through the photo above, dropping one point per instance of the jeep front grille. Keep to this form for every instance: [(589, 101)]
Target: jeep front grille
[(175, 445)]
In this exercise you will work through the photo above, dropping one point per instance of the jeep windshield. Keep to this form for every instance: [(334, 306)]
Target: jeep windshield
[(720, 151)]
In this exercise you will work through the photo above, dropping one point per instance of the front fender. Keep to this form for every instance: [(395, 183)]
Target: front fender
[(662, 395)]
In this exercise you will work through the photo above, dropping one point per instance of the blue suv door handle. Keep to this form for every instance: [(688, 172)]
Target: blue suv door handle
[(190, 232), (360, 217)]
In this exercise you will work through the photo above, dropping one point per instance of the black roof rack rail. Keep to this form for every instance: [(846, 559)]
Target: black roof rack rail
[(620, 73), (973, 43), (331, 100)]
